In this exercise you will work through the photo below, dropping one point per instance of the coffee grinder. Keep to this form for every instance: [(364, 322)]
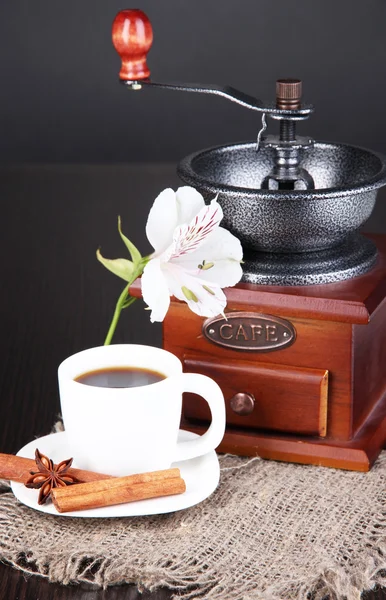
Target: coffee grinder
[(301, 357)]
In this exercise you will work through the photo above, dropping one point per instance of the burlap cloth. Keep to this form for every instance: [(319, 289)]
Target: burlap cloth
[(271, 531)]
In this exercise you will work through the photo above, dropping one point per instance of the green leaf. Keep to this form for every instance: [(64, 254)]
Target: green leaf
[(135, 254), (128, 302), (119, 266)]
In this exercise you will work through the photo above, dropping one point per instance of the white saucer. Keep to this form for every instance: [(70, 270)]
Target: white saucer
[(201, 476)]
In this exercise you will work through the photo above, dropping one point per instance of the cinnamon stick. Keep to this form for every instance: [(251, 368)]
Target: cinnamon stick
[(118, 490), (17, 468)]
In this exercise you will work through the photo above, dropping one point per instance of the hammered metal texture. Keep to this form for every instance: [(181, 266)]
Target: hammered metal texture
[(354, 257), (346, 182)]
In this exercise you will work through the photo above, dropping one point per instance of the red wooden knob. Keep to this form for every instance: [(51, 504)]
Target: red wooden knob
[(132, 39)]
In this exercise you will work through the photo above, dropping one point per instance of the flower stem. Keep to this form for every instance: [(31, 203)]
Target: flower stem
[(123, 301), (117, 313)]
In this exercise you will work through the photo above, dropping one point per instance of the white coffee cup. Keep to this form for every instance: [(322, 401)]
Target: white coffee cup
[(120, 431)]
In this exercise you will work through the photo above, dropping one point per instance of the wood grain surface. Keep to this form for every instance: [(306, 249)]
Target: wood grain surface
[(57, 299), (271, 386)]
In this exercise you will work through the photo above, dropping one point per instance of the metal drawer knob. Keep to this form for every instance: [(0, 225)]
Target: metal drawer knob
[(243, 403)]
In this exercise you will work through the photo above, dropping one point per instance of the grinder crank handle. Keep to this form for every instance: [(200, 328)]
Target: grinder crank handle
[(132, 38)]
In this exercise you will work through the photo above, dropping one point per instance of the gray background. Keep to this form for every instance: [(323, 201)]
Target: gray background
[(61, 102)]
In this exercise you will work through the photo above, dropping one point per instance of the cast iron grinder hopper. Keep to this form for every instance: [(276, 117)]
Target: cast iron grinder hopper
[(295, 204)]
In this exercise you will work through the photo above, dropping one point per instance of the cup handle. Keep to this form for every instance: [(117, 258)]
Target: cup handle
[(211, 392)]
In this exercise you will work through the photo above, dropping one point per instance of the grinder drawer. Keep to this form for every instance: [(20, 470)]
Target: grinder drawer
[(263, 396)]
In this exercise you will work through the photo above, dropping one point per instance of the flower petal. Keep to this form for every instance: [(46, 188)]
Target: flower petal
[(162, 220), (216, 260), (206, 298), (225, 273), (189, 237), (155, 291), (189, 203), (211, 300)]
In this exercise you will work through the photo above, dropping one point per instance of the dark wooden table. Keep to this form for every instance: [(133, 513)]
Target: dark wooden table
[(56, 299)]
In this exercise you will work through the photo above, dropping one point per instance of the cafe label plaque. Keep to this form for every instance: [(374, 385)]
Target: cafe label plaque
[(250, 331)]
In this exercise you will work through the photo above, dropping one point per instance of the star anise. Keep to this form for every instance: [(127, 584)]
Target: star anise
[(49, 476)]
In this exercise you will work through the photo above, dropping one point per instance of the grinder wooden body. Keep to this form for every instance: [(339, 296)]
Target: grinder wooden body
[(320, 400)]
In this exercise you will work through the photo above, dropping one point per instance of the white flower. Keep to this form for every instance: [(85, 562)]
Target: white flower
[(194, 258)]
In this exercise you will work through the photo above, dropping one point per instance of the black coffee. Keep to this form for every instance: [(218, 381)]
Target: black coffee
[(120, 377)]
